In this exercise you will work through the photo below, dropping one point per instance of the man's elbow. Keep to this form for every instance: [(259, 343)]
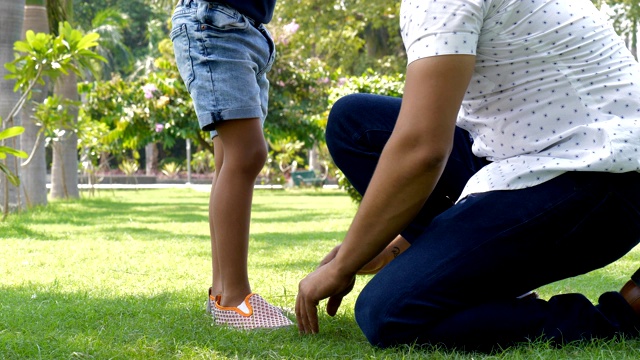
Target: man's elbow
[(427, 158), (424, 152), (430, 160)]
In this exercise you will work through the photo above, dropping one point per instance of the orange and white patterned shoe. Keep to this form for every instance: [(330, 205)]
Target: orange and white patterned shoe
[(211, 300), (259, 315)]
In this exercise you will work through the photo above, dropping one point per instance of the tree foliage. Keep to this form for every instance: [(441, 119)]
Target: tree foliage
[(138, 33), (151, 108), (45, 55), (625, 18), (325, 50), (350, 36)]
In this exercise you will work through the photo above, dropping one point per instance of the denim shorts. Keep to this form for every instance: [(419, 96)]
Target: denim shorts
[(223, 57)]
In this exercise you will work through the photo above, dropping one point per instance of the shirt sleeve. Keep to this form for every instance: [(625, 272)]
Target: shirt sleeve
[(440, 27)]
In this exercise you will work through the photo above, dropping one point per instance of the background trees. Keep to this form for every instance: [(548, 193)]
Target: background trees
[(34, 174), (625, 15), (11, 18)]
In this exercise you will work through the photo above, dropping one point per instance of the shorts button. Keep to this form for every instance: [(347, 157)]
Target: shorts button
[(202, 27)]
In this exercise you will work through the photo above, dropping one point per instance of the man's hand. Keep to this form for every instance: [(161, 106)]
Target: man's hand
[(323, 283)]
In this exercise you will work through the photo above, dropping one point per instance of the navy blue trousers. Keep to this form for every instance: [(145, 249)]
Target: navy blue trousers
[(458, 284)]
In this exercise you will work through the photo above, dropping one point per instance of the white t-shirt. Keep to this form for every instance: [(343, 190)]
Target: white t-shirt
[(554, 88)]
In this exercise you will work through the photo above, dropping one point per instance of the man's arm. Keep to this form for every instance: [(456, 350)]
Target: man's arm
[(408, 170)]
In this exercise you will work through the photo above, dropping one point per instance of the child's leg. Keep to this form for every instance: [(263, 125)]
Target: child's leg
[(216, 279), (245, 153)]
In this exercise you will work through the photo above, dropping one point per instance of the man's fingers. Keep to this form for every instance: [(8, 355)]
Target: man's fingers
[(333, 304), (312, 318), (299, 318), (307, 315)]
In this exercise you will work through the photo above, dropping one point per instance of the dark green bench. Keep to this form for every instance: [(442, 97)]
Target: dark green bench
[(307, 178)]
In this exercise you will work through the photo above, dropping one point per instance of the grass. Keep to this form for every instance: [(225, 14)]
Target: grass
[(123, 275)]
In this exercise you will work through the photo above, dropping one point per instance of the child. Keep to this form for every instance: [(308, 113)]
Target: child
[(223, 52)]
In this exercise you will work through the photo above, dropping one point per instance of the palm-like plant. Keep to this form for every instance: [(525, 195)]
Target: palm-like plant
[(110, 25), (171, 169), (129, 167)]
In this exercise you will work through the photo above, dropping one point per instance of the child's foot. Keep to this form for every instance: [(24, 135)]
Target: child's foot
[(254, 313), (211, 301)]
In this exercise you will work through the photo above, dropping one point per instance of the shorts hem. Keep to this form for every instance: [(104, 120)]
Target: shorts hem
[(210, 119)]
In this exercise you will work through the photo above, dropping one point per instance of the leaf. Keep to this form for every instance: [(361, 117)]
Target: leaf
[(21, 46), (14, 152), (11, 67), (88, 41), (10, 132), (29, 36), (13, 179)]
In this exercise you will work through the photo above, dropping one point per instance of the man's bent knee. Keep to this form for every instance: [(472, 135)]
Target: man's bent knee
[(370, 314)]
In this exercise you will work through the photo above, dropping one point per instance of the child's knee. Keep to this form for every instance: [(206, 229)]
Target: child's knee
[(252, 159)]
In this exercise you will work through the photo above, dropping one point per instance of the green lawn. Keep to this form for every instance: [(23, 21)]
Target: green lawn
[(124, 274)]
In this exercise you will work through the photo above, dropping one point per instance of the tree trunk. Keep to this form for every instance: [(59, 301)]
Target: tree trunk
[(376, 42), (314, 158), (11, 18), (64, 170), (34, 175), (151, 158)]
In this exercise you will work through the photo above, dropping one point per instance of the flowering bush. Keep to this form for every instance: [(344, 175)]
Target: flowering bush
[(153, 108)]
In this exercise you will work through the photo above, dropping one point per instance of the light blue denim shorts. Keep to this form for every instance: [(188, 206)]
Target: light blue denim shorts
[(223, 58)]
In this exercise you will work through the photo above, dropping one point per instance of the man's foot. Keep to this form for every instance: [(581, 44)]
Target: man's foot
[(631, 292), (254, 313)]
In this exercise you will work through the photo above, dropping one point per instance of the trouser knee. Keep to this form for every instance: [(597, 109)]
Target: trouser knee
[(369, 314), (338, 124)]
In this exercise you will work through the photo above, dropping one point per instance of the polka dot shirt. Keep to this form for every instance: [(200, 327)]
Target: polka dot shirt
[(554, 88)]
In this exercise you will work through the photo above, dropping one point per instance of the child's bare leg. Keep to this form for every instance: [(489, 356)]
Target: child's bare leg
[(216, 278), (245, 153)]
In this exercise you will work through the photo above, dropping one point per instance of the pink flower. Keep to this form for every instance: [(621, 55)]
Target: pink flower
[(159, 127), (292, 27), (149, 89)]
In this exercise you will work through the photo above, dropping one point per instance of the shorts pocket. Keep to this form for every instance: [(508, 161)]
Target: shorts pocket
[(182, 49), (220, 17)]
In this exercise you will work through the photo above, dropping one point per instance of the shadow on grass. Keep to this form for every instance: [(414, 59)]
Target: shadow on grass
[(313, 192), (96, 210), (306, 216), (21, 231)]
